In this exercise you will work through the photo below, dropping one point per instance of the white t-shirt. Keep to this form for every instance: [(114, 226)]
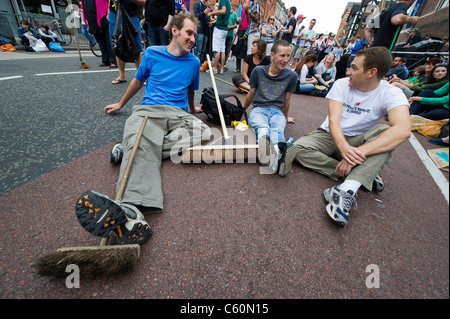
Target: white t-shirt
[(296, 32), (362, 110), (303, 74)]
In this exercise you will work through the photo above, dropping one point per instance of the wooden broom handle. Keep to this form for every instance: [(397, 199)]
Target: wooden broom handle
[(124, 180), (219, 107)]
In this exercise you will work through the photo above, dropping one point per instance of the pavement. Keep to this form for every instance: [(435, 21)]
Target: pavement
[(227, 231)]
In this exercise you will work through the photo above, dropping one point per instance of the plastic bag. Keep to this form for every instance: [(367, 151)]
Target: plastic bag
[(39, 46), (7, 47), (55, 47), (123, 38), (426, 126)]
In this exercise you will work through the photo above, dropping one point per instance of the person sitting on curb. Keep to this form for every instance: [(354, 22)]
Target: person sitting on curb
[(23, 29), (270, 92), (349, 144), (172, 74)]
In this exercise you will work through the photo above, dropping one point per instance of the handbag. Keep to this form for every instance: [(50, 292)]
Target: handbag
[(231, 112), (320, 91), (326, 76), (123, 38)]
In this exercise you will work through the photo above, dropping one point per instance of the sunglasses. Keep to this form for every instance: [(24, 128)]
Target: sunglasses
[(441, 64)]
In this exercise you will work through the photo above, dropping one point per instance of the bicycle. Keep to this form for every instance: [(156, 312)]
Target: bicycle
[(95, 48), (57, 27)]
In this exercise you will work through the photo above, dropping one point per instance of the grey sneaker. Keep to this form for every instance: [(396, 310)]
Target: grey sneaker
[(116, 153), (339, 204), (100, 216), (268, 155), (287, 158), (136, 230), (378, 184)]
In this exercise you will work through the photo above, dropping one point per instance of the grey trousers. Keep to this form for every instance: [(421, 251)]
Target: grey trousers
[(168, 130), (318, 152)]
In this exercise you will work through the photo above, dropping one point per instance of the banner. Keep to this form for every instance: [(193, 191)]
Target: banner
[(178, 4), (415, 11)]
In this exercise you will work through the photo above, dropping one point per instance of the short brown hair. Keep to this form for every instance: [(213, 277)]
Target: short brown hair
[(377, 57), (282, 43), (178, 21)]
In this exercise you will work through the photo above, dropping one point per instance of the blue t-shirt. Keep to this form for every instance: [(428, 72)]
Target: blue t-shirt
[(169, 77)]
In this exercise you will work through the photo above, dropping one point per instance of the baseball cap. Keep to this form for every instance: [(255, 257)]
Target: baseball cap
[(301, 16)]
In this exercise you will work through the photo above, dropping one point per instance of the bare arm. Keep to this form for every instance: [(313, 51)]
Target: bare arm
[(399, 132), (350, 154), (401, 19), (245, 71), (132, 89), (287, 105), (192, 107), (249, 97)]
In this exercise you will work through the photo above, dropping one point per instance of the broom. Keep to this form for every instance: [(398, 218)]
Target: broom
[(100, 260), (227, 152), (219, 79), (84, 65)]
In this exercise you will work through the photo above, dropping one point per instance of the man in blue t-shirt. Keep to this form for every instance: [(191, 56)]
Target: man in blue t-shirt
[(172, 75)]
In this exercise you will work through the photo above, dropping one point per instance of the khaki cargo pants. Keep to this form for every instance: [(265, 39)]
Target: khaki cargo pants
[(168, 130), (318, 152)]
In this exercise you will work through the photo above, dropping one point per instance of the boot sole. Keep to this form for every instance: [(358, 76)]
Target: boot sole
[(98, 214)]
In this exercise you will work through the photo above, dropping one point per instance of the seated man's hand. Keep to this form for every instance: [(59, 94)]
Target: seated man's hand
[(111, 108)]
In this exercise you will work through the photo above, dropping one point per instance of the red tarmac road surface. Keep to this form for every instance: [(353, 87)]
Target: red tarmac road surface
[(229, 232)]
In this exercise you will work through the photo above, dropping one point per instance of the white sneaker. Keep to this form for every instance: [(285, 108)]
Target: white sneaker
[(214, 71)]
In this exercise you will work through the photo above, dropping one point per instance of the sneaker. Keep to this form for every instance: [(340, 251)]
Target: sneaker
[(236, 70), (136, 230), (287, 158), (378, 184), (214, 71), (264, 150), (99, 215), (339, 204), (222, 71), (116, 153)]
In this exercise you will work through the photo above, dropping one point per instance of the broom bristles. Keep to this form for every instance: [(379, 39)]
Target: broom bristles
[(84, 65), (100, 261)]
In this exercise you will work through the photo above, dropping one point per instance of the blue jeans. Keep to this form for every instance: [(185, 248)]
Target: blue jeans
[(200, 49), (158, 36), (88, 36), (228, 43), (305, 88), (268, 121), (432, 112)]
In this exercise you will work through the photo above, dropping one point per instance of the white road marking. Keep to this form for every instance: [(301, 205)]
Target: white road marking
[(435, 173), (11, 77), (85, 71)]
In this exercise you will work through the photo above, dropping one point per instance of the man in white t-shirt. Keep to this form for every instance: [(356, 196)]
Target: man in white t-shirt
[(349, 144), (307, 38)]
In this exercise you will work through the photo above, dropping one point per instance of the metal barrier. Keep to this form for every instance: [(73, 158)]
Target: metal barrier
[(417, 54), (10, 23)]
